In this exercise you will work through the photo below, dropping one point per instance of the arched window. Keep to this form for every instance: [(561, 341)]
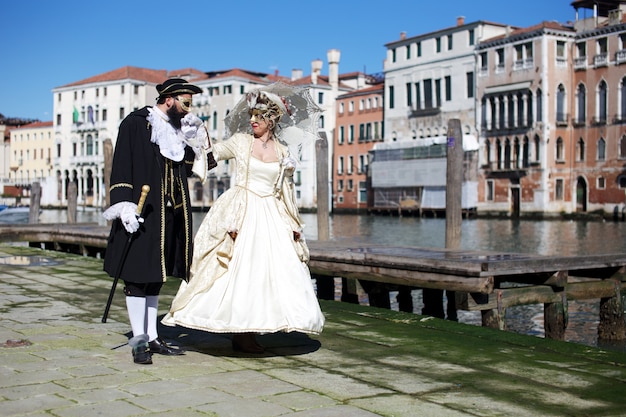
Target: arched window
[(560, 104), (601, 149), (539, 109), (525, 153), (537, 148), (622, 103), (602, 102), (580, 149), (622, 147), (581, 104), (89, 145), (559, 149), (488, 152), (507, 154), (499, 154), (517, 153)]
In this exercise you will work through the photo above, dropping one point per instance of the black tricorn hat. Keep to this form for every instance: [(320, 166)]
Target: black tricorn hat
[(175, 86)]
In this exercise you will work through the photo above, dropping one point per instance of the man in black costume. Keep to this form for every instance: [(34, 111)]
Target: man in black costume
[(156, 146)]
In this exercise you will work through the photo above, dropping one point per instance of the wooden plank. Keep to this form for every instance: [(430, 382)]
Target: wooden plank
[(543, 294), (411, 278)]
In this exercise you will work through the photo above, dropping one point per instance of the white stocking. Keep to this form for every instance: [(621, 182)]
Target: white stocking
[(152, 302), (136, 307)]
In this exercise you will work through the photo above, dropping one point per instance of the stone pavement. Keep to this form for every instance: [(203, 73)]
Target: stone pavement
[(58, 359)]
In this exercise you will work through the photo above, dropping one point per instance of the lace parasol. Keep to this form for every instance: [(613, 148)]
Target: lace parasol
[(295, 128)]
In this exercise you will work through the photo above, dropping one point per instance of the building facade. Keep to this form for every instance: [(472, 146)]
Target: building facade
[(550, 131), (30, 160), (359, 127)]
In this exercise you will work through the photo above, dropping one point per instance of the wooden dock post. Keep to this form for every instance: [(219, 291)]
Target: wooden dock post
[(35, 203), (612, 325), (72, 195), (325, 285), (433, 299)]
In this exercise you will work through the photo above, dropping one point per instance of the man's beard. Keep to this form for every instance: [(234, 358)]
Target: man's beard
[(175, 116)]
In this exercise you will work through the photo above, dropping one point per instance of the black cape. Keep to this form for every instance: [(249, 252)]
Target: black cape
[(163, 244)]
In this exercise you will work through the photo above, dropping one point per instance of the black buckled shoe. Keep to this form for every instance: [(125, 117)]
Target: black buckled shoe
[(141, 350), (162, 348)]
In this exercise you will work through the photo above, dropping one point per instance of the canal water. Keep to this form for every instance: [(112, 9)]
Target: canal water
[(544, 237)]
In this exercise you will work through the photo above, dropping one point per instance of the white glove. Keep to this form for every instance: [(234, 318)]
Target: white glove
[(189, 125), (129, 218), (290, 165)]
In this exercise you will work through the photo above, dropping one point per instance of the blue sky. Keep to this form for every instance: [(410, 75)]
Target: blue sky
[(47, 44)]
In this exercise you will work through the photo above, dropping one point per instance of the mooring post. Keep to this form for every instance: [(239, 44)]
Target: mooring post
[(72, 196), (325, 284), (612, 325), (35, 203), (433, 299)]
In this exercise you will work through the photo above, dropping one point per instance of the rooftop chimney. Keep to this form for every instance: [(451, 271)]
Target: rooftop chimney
[(296, 74), (333, 56), (316, 68), (402, 36), (460, 21)]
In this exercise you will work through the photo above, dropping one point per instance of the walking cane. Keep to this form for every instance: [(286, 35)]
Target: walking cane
[(142, 200)]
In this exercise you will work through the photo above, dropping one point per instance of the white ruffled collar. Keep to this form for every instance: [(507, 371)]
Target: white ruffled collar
[(169, 139)]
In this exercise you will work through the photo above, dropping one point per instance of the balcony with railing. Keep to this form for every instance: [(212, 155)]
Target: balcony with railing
[(619, 119), (580, 63), (620, 57), (598, 120), (601, 60), (429, 111), (579, 121)]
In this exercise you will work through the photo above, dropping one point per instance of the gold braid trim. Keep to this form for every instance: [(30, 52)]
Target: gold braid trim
[(119, 185)]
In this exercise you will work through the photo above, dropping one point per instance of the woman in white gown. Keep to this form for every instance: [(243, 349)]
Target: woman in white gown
[(249, 271)]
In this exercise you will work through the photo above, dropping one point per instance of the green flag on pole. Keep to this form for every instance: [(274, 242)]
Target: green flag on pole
[(75, 118)]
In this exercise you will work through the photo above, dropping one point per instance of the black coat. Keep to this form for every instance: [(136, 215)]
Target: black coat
[(162, 246)]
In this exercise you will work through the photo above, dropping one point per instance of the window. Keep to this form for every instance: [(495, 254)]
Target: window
[(581, 105), (320, 122), (558, 189), (391, 97), (362, 165), (622, 100), (351, 134), (622, 147), (89, 145), (350, 185), (602, 103), (621, 181), (500, 60), (408, 51), (135, 89), (472, 40), (342, 132), (450, 42), (601, 155), (539, 99), (351, 106), (340, 166), (320, 98), (121, 113), (438, 92), (484, 62), (448, 84), (428, 94), (341, 107), (340, 185), (361, 105), (393, 55), (228, 89), (58, 120), (350, 164), (537, 148), (438, 45), (122, 89), (419, 48), (560, 51), (362, 191), (470, 84), (559, 149), (561, 117), (601, 183), (409, 95), (489, 195), (418, 96), (242, 89), (580, 150)]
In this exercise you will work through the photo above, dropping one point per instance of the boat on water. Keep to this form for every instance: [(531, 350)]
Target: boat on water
[(14, 215)]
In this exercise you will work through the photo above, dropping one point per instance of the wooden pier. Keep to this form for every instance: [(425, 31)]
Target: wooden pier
[(486, 281)]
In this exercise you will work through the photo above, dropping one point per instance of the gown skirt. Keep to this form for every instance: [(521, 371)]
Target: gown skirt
[(266, 287)]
